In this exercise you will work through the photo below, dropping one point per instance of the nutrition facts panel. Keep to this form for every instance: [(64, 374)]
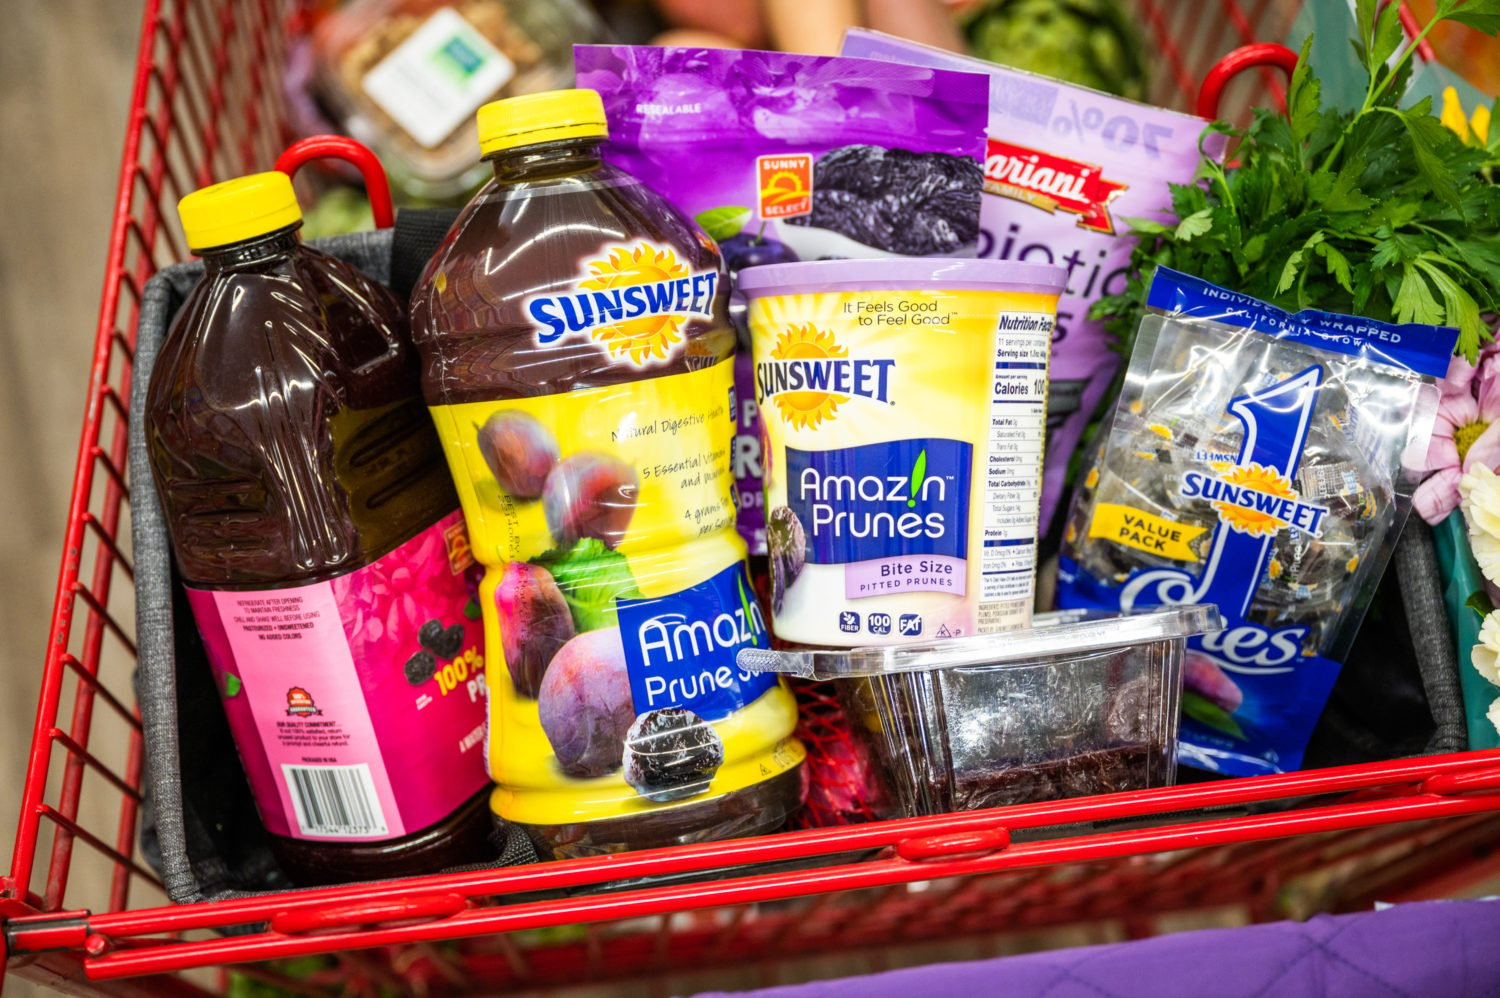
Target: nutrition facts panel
[(1013, 466)]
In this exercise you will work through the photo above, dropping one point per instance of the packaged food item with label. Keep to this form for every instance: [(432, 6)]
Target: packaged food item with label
[(1064, 167), (579, 365), (795, 157), (319, 537), (1078, 703), (904, 405), (1254, 462), (406, 76)]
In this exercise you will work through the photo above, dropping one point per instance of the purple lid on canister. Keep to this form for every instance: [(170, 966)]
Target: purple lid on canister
[(899, 273)]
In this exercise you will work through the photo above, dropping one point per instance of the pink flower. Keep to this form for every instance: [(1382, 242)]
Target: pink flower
[(1466, 433)]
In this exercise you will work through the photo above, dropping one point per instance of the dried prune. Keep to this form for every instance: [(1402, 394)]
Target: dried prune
[(590, 495), (519, 450), (420, 668), (916, 204), (451, 643), (1100, 772), (786, 541), (534, 623), (444, 643), (671, 754), (585, 704), (430, 633)]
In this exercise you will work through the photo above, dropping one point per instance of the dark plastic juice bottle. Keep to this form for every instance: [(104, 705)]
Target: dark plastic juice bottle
[(318, 534), (578, 362)]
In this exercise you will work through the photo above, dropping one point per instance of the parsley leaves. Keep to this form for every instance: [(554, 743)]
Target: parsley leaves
[(1380, 211)]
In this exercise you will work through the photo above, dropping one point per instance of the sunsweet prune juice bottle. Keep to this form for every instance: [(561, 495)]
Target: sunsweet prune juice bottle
[(318, 535), (579, 366)]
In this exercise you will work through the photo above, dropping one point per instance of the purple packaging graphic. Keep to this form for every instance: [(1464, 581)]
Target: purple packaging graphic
[(1063, 167), (746, 459), (783, 157)]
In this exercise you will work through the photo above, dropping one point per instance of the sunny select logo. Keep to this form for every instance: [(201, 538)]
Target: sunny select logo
[(1051, 183), (785, 185), (809, 375), (633, 299)]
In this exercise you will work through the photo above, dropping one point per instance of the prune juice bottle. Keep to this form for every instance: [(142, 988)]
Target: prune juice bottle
[(318, 535), (579, 365)]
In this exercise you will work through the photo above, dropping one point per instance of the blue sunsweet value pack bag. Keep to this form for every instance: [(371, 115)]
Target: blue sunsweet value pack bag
[(1254, 462)]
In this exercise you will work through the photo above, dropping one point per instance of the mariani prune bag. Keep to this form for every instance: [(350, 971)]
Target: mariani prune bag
[(1254, 462), (783, 157)]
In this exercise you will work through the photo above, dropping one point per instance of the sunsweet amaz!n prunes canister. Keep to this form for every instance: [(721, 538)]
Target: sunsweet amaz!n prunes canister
[(904, 404)]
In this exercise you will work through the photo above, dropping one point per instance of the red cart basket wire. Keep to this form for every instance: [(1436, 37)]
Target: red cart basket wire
[(80, 910)]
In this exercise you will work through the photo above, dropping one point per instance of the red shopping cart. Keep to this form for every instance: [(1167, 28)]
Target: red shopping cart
[(79, 909)]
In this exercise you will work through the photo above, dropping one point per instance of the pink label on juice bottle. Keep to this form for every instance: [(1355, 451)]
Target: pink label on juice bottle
[(357, 703)]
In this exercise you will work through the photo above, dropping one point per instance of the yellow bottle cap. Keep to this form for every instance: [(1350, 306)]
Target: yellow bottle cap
[(238, 209), (545, 117)]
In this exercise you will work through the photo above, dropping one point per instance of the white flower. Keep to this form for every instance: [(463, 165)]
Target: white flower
[(1480, 491), (1486, 652), (1486, 550), (1494, 714)]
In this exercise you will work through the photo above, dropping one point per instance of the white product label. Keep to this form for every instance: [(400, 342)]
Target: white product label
[(436, 79), (1012, 468)]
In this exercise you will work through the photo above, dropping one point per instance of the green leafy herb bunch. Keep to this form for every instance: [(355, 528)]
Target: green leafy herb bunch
[(1381, 212)]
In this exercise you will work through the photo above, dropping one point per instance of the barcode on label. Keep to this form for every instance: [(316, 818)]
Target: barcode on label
[(335, 801)]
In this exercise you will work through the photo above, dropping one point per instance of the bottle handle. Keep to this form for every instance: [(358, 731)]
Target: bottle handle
[(346, 149)]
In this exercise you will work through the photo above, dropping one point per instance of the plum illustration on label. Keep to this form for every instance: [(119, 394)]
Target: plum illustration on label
[(632, 298), (618, 652)]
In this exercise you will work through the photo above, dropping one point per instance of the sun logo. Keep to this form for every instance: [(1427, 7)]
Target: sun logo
[(651, 336), (1265, 481), (785, 184), (807, 409)]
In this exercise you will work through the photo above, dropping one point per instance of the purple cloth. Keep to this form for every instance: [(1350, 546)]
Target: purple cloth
[(1416, 950)]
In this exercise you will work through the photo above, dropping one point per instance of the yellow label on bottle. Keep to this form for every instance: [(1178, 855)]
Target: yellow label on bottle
[(615, 600), (1144, 531)]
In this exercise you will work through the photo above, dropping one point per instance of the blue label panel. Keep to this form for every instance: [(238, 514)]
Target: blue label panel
[(1412, 346), (680, 649), (882, 500)]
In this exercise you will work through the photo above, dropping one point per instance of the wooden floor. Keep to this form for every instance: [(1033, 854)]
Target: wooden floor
[(65, 76)]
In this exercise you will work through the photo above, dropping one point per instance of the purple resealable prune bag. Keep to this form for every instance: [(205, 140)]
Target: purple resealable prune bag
[(783, 157), (1063, 168)]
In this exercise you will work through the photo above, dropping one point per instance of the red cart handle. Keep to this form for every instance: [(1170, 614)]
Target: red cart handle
[(1235, 63), (346, 149), (952, 845), (415, 907)]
